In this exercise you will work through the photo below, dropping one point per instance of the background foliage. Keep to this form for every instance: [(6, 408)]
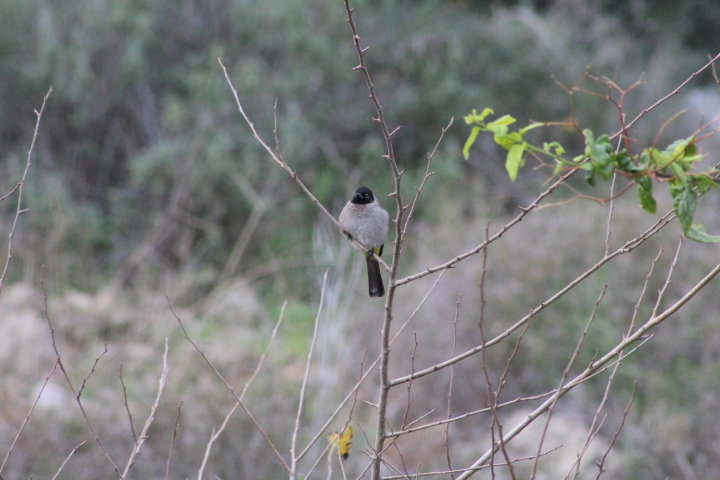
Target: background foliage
[(145, 180)]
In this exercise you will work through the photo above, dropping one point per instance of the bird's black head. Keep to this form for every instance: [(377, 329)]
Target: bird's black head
[(363, 196)]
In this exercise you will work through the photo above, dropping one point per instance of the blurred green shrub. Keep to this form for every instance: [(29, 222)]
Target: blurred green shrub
[(143, 141)]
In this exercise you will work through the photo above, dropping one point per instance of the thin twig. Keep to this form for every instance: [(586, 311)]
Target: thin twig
[(426, 177), (27, 417), (151, 417), (229, 387), (92, 370), (296, 428), (491, 392), (596, 422), (668, 277), (125, 401), (60, 364), (565, 373), (598, 364), (451, 472), (625, 248), (215, 434), (524, 211), (172, 440), (371, 368), (465, 415), (662, 100), (448, 414), (277, 159), (19, 210), (72, 452), (616, 435)]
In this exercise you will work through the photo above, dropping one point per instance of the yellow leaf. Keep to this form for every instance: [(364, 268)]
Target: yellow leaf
[(341, 441)]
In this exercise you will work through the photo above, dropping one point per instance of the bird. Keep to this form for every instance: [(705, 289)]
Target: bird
[(363, 219)]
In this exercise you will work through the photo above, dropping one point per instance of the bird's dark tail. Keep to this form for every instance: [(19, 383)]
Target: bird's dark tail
[(375, 283)]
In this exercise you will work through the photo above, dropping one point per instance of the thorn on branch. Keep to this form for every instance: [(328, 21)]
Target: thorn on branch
[(395, 131), (359, 67), (363, 50)]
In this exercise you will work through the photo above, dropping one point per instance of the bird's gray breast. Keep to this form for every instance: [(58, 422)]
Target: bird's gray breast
[(367, 224)]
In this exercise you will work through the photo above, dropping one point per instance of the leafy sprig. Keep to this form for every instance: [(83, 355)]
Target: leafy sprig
[(674, 165)]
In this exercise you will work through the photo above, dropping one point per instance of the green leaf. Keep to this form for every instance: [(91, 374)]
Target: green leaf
[(659, 159), (645, 188), (589, 175), (515, 160), (684, 204), (697, 232), (625, 162), (470, 141), (678, 171), (486, 111), (507, 140), (475, 118), (530, 127), (501, 124), (704, 182), (553, 148)]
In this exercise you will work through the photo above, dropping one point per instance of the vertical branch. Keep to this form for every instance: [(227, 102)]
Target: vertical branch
[(19, 210), (397, 246), (450, 387), (493, 394)]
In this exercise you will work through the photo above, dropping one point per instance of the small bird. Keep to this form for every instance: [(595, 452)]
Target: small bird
[(364, 220)]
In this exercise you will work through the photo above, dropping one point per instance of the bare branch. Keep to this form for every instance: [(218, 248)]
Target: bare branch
[(19, 188), (238, 399), (523, 213), (27, 417), (172, 440), (597, 365), (293, 442), (626, 248), (371, 368), (565, 373), (72, 452), (143, 433), (674, 92), (428, 174), (216, 433), (125, 402), (277, 159), (92, 370), (75, 392), (603, 459)]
